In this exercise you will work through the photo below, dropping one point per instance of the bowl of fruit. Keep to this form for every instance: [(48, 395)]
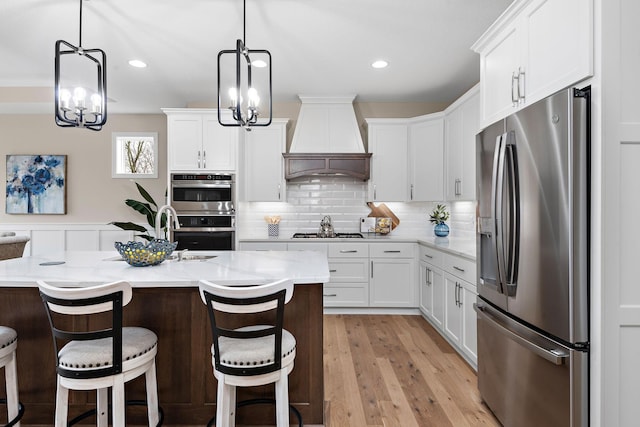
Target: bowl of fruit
[(139, 254)]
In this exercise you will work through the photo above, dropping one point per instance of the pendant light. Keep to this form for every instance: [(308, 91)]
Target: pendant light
[(245, 75), (80, 102)]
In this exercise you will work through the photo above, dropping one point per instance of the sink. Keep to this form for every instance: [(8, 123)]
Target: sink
[(191, 257)]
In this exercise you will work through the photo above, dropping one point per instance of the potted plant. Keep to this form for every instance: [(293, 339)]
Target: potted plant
[(438, 217), (149, 210)]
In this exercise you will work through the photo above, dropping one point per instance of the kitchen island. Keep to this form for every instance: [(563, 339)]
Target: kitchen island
[(166, 300)]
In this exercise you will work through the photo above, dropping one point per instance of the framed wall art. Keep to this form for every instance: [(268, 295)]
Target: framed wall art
[(36, 184)]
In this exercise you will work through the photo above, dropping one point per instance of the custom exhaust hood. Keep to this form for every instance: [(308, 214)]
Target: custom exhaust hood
[(327, 140)]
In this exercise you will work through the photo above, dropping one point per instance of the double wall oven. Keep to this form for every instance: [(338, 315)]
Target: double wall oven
[(205, 204)]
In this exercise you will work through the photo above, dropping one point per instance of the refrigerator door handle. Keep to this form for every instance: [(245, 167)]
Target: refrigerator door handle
[(555, 355), (497, 200), (512, 236)]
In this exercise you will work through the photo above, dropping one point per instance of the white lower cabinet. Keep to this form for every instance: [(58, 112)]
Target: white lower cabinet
[(460, 294), (392, 280), (349, 272), (432, 286), (447, 293)]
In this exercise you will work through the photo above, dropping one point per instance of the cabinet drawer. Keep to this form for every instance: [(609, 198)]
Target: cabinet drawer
[(460, 267), (351, 250), (391, 250), (344, 295), (318, 247), (431, 255), (348, 270), (263, 246)]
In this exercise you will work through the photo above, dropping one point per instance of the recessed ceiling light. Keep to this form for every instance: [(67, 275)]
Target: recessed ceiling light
[(259, 63), (137, 63), (380, 64)]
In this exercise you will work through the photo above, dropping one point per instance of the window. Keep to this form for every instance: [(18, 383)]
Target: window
[(135, 155)]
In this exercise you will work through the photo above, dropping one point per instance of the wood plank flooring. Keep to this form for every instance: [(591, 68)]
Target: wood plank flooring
[(396, 371)]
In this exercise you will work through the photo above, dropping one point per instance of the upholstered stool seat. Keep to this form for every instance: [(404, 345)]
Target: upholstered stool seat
[(136, 342), (100, 358), (8, 345), (254, 352)]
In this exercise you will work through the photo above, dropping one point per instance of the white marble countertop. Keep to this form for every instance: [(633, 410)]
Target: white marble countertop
[(465, 247), (227, 268)]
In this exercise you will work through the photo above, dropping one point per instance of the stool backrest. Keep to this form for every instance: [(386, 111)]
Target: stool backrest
[(85, 301), (244, 300)]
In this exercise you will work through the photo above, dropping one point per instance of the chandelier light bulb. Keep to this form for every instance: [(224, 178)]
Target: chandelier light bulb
[(96, 103), (65, 97), (233, 95), (79, 95), (254, 99)]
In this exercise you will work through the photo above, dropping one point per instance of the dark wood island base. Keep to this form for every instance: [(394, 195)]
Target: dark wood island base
[(186, 385)]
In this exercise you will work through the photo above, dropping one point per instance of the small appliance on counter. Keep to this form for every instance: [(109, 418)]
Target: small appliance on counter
[(380, 225)]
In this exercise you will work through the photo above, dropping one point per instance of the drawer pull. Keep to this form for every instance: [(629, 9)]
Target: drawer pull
[(329, 295), (458, 268), (350, 251), (392, 252), (332, 271), (428, 256)]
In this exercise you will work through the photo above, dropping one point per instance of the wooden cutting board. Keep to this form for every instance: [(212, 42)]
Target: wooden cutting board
[(383, 211)]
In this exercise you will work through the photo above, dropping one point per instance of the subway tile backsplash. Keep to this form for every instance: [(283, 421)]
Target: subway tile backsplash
[(345, 200)]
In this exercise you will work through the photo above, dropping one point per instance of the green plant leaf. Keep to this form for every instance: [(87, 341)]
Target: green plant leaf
[(146, 195), (144, 209), (129, 226)]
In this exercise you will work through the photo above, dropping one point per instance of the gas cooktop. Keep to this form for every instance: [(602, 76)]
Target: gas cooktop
[(335, 236)]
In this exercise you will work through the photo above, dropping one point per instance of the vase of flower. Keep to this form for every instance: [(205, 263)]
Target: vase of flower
[(438, 217)]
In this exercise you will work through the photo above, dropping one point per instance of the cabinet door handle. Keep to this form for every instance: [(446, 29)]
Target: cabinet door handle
[(458, 268), (332, 271), (279, 197), (372, 269), (392, 252), (514, 89), (411, 198), (458, 187), (329, 295), (350, 251), (375, 193), (198, 159), (204, 159), (429, 276), (521, 83)]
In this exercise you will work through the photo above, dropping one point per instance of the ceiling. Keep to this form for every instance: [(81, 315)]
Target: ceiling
[(319, 47)]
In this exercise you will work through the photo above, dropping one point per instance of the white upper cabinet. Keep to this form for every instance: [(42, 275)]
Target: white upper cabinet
[(264, 165), (197, 142), (426, 158), (461, 126), (407, 161), (534, 49), (388, 145)]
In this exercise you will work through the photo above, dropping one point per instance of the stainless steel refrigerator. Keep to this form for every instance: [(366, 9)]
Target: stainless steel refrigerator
[(533, 260)]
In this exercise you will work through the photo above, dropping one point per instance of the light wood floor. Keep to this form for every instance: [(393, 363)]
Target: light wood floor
[(396, 371)]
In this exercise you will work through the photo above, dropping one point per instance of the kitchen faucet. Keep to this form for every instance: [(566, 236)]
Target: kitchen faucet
[(172, 212)]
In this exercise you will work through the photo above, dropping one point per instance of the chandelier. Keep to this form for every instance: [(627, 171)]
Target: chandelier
[(246, 75), (80, 102)]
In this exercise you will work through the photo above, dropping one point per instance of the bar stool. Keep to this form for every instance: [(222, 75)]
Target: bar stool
[(251, 355), (8, 345), (99, 358)]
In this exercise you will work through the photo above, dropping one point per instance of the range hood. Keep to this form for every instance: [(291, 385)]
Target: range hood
[(327, 140)]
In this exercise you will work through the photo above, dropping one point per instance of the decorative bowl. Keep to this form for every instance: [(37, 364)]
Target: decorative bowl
[(139, 254)]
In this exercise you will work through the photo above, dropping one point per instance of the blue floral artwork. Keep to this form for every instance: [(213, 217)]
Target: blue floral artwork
[(36, 184)]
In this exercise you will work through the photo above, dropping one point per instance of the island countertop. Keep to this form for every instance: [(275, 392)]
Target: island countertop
[(226, 268)]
